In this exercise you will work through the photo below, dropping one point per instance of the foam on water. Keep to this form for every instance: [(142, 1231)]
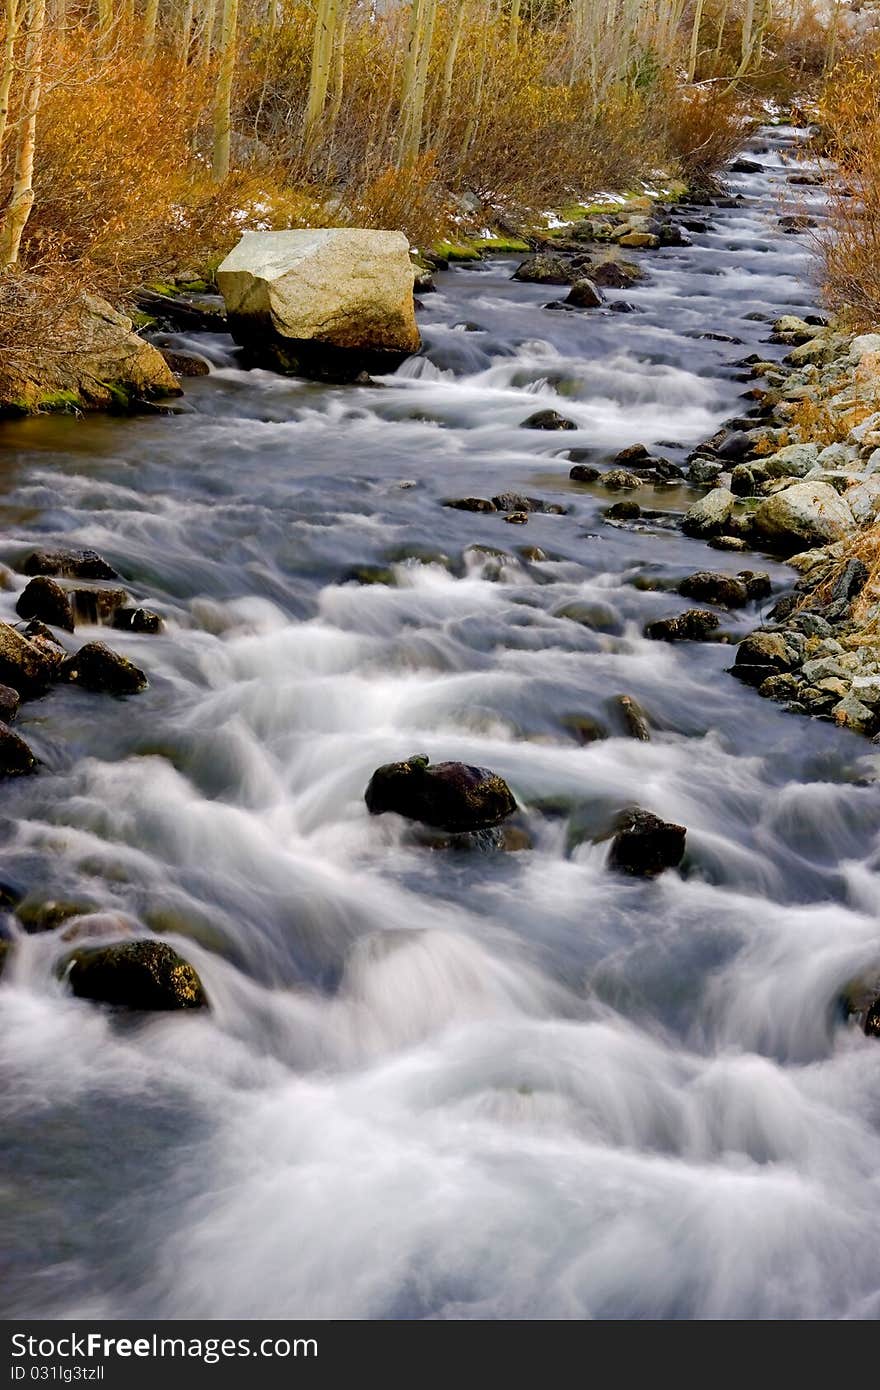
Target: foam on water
[(436, 1084)]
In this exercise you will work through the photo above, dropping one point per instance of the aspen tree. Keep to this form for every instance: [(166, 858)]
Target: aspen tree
[(338, 72), (151, 16), (326, 19), (13, 17), (695, 41), (223, 92), (209, 16), (460, 12), (415, 74), (513, 32), (22, 198)]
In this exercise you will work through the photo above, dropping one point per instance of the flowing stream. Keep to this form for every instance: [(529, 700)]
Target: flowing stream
[(437, 1084)]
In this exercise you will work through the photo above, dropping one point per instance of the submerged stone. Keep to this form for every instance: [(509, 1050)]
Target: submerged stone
[(547, 420), (69, 564), (449, 796), (16, 758), (644, 845), (695, 625)]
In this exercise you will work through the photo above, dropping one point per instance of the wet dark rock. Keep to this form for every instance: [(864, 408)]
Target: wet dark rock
[(28, 666), (141, 975), (644, 845), (757, 584), (735, 446), (668, 234), (851, 580), (594, 614), (622, 306), (471, 504), (517, 518), (9, 702), (16, 759), (695, 625), (45, 600), (634, 718), (547, 420), (584, 294), (806, 180), (185, 363), (584, 473), (370, 574), (98, 605), (69, 564), (544, 269), (633, 453), (95, 667), (584, 727), (614, 275), (624, 511), (141, 620), (706, 586), (695, 224), (763, 654), (742, 481), (797, 222), (450, 796), (746, 166), (517, 502)]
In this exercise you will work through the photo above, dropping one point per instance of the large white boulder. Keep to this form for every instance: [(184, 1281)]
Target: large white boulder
[(328, 302), (804, 515)]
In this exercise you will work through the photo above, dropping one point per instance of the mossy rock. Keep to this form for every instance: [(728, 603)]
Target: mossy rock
[(38, 914), (147, 976), (501, 245), (456, 251), (95, 667)]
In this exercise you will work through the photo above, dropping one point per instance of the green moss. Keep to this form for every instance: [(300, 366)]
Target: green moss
[(501, 244), (58, 401), (161, 287), (194, 286), (457, 251), (142, 320)]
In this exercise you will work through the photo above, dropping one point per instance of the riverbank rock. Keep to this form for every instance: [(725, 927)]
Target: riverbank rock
[(708, 587), (805, 515), (763, 654), (9, 703), (695, 625), (449, 796), (87, 358), (141, 620), (710, 515), (329, 303), (644, 845), (141, 975), (45, 599), (16, 759), (28, 666), (95, 667)]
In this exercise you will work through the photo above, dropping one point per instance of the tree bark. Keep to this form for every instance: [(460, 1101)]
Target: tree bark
[(22, 200), (7, 71), (223, 93)]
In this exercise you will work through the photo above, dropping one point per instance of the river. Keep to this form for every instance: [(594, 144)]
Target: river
[(437, 1084)]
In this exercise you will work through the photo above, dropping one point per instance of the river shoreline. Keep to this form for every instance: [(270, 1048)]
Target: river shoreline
[(455, 1085)]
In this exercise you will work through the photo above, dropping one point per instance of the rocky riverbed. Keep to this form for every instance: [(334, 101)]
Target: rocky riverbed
[(509, 941)]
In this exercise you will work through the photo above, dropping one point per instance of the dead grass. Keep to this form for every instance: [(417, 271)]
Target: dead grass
[(849, 114)]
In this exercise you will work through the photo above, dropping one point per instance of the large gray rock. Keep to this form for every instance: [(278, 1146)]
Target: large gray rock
[(804, 515), (709, 516), (329, 303)]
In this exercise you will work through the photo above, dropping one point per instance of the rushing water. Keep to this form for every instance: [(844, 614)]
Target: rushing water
[(436, 1084)]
